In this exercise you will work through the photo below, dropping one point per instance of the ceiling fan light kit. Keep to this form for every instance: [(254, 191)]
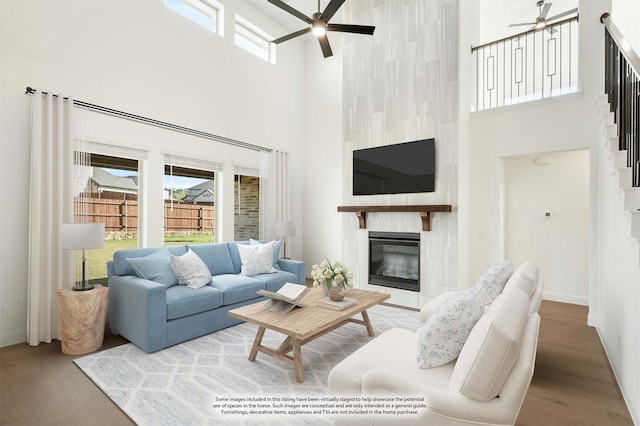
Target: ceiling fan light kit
[(319, 24)]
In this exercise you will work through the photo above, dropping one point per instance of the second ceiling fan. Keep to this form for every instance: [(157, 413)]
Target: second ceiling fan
[(542, 20), (319, 24)]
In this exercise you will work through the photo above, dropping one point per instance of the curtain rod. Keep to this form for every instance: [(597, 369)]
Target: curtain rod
[(158, 123)]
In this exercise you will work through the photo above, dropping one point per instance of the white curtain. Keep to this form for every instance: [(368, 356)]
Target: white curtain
[(51, 203), (275, 201)]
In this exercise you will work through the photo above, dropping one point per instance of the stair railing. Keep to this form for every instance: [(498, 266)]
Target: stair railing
[(622, 85), (535, 64)]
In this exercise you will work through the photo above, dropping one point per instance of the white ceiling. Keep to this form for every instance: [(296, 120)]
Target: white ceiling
[(495, 15), (288, 21)]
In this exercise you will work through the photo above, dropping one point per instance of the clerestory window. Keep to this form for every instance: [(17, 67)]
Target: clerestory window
[(254, 40), (207, 13)]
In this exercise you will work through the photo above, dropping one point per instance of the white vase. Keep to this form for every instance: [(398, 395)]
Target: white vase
[(335, 293)]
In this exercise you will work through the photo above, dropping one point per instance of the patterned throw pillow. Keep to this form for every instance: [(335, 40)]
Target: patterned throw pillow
[(190, 270), (276, 249), (443, 335), (494, 279), (256, 259)]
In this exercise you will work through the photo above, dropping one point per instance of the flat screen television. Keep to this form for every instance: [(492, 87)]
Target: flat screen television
[(402, 168)]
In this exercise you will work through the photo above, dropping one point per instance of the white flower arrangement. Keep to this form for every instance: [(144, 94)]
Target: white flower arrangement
[(327, 273)]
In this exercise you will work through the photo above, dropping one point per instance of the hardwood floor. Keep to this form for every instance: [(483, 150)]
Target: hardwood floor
[(572, 384)]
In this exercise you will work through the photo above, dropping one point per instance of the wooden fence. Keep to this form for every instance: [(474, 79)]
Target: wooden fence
[(122, 215)]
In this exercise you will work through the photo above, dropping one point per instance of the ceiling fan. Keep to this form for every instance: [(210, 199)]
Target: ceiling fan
[(542, 20), (319, 24)]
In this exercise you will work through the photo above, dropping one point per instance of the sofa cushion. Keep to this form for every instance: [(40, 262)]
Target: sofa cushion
[(493, 280), (183, 301), (275, 280), (216, 257), (122, 267), (190, 270), (525, 278), (443, 335), (236, 288), (393, 350), (155, 267), (491, 349), (235, 255), (256, 259)]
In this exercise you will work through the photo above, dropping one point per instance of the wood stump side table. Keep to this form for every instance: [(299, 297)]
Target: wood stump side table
[(82, 316)]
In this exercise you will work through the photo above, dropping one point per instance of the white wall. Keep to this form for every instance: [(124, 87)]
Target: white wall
[(559, 244), (323, 151), (139, 57), (618, 293), (625, 15)]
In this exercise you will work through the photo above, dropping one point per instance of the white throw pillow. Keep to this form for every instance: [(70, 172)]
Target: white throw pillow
[(256, 259), (493, 280), (190, 270), (443, 335)]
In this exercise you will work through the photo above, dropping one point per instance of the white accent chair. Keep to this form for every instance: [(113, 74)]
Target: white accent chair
[(486, 384)]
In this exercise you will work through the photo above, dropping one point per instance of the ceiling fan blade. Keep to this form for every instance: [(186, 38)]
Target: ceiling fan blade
[(524, 23), (358, 29), (331, 9), (560, 15), (324, 45), (292, 35), (282, 5), (545, 10)]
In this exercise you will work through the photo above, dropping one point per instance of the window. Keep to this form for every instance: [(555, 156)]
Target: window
[(207, 13), (189, 200), (106, 190), (254, 40)]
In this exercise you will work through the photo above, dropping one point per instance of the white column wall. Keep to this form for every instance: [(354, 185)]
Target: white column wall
[(402, 85)]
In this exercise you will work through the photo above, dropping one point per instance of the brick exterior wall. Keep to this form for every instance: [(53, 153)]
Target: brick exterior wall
[(246, 208)]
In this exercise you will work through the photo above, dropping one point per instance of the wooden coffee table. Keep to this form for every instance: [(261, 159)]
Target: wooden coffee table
[(303, 325)]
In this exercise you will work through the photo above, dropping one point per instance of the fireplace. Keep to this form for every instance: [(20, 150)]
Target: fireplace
[(394, 260)]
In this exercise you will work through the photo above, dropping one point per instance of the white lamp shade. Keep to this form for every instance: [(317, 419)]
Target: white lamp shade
[(285, 229), (77, 235)]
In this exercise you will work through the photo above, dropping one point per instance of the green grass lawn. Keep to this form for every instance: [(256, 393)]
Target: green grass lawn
[(97, 259)]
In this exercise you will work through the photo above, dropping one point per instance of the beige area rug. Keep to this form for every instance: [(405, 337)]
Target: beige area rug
[(187, 384)]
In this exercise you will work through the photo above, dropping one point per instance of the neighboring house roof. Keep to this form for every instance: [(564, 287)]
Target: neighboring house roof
[(206, 185), (201, 193), (106, 180)]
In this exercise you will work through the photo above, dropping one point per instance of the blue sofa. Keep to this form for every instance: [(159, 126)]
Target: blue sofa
[(154, 315)]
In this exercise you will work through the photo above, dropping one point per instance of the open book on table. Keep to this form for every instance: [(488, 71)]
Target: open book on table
[(285, 299)]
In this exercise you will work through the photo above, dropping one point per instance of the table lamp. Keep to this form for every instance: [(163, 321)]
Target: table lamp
[(285, 229), (82, 236)]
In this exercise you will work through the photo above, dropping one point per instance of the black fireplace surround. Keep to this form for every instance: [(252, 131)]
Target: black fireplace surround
[(394, 260)]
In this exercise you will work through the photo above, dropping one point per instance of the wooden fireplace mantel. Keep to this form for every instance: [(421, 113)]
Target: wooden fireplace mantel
[(424, 210)]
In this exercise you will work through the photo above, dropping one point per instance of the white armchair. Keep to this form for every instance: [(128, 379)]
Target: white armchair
[(486, 384)]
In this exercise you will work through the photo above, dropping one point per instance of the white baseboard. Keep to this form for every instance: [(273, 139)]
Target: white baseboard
[(566, 298), (13, 337), (635, 417)]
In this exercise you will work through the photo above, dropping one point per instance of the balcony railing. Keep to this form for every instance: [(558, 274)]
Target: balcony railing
[(536, 64), (622, 85)]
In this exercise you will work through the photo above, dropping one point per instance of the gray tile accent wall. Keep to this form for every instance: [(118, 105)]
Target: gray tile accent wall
[(400, 85)]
